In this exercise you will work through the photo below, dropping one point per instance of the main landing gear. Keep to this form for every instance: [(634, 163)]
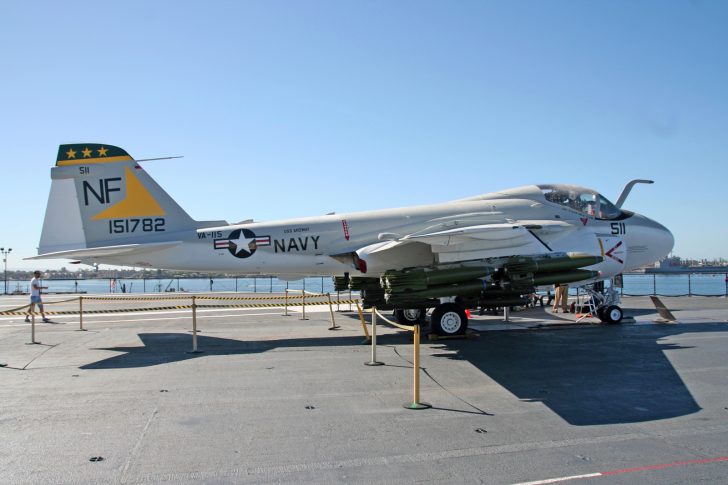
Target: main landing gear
[(447, 319), (411, 316)]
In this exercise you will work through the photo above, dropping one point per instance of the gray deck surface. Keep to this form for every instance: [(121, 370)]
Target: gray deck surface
[(275, 399)]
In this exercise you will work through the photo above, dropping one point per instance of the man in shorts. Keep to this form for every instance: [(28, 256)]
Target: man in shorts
[(35, 298)]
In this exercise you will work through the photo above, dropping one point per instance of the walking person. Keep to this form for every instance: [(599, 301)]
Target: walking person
[(35, 291)]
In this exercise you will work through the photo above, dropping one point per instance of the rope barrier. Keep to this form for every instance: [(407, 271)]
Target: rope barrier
[(256, 305), (198, 297), (415, 329), (282, 301), (15, 312), (281, 297), (15, 309), (137, 298), (415, 404), (306, 292), (61, 301), (114, 310), (395, 324)]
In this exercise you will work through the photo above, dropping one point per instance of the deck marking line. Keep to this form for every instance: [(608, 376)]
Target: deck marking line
[(561, 479), (666, 465), (626, 470)]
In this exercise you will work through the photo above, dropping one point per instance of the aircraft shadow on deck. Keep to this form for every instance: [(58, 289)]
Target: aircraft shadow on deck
[(595, 376), (164, 348)]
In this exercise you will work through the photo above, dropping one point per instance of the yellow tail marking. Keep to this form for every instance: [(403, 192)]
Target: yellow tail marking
[(86, 161), (138, 202)]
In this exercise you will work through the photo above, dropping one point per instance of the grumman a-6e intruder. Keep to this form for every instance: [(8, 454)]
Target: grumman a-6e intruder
[(485, 251)]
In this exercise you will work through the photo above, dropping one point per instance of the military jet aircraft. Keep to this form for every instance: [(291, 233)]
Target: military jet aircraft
[(486, 251)]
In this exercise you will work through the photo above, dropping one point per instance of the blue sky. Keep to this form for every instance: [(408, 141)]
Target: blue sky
[(285, 109)]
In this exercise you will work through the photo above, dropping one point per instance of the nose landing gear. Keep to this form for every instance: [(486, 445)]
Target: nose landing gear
[(606, 303)]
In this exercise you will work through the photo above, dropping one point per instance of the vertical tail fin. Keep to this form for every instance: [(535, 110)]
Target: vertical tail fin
[(100, 196)]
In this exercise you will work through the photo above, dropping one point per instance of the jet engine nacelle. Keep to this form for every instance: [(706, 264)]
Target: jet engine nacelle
[(377, 258)]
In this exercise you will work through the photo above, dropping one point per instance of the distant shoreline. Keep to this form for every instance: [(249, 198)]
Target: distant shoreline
[(688, 269)]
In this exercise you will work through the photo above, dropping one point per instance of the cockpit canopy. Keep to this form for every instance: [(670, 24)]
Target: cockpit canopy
[(581, 199)]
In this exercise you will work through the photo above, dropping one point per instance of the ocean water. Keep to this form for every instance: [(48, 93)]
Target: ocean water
[(695, 284)]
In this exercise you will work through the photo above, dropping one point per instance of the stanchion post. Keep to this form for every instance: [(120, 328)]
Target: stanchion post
[(363, 323), (331, 311), (690, 286), (194, 326), (80, 314), (32, 328), (654, 284), (303, 300), (374, 340), (285, 305), (416, 404), (416, 366)]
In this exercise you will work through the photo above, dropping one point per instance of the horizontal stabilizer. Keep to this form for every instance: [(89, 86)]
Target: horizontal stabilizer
[(226, 228), (105, 251)]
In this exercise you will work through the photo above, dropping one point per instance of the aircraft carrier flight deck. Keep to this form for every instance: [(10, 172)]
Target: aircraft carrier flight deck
[(272, 398)]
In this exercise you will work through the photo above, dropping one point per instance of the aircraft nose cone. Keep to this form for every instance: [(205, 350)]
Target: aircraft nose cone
[(648, 241), (668, 241)]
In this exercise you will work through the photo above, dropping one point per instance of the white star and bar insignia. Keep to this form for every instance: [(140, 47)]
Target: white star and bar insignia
[(242, 243)]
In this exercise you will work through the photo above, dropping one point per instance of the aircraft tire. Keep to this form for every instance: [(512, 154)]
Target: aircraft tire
[(410, 316), (613, 314), (449, 319), (600, 314)]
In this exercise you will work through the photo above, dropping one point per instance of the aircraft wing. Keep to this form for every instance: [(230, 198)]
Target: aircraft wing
[(513, 233), (464, 243), (483, 241)]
